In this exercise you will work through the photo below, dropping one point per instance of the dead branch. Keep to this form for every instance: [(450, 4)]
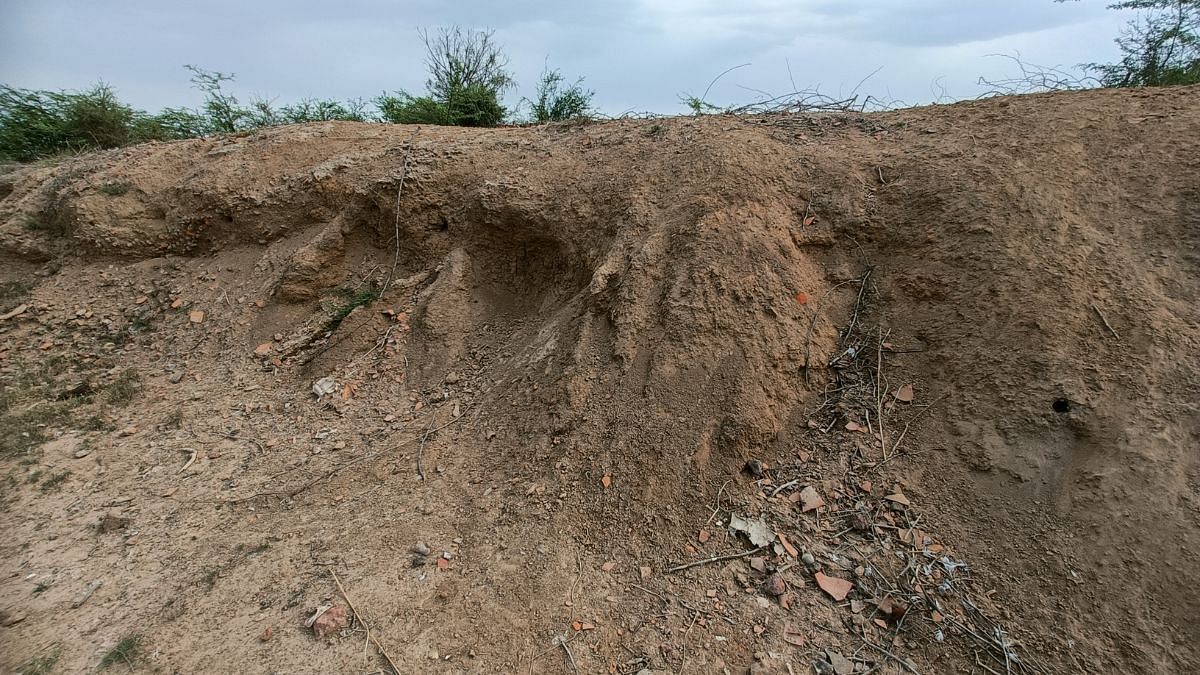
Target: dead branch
[(358, 618), (719, 558)]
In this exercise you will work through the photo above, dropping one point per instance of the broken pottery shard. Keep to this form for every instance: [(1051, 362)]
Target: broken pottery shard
[(810, 500), (837, 588), (841, 665)]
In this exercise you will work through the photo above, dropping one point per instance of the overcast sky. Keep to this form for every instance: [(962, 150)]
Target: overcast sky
[(636, 54)]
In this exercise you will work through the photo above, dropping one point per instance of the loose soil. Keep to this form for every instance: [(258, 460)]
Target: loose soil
[(948, 356)]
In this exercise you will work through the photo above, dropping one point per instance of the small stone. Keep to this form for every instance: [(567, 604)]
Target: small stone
[(420, 548), (810, 563), (82, 452), (331, 621), (755, 467), (775, 586), (452, 378), (176, 378)]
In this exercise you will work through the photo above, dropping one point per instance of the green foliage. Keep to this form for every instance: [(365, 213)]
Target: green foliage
[(115, 188), (35, 124), (222, 112), (1159, 47), (324, 110), (170, 124), (352, 301), (698, 105), (125, 651), (467, 76), (473, 106), (122, 390), (556, 102), (55, 480), (42, 665), (404, 108), (461, 59)]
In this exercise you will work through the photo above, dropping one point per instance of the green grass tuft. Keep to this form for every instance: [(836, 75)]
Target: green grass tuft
[(41, 665), (115, 188), (55, 480), (122, 390), (126, 651)]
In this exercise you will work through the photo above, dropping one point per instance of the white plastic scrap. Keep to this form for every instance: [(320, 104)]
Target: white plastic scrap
[(324, 387), (759, 533)]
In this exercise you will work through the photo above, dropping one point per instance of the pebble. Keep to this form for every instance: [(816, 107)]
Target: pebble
[(810, 563), (421, 548), (775, 585)]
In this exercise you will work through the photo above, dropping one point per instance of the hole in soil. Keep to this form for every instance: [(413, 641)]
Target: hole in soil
[(1061, 405)]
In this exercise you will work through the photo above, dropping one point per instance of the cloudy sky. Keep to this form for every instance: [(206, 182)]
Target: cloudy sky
[(637, 55)]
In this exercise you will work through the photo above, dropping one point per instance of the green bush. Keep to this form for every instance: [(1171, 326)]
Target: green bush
[(466, 79), (325, 110), (404, 108), (35, 124), (471, 106), (556, 103)]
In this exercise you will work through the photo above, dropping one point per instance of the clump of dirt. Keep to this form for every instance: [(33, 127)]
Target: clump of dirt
[(900, 392)]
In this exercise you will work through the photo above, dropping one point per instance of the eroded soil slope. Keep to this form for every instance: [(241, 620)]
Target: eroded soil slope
[(505, 384)]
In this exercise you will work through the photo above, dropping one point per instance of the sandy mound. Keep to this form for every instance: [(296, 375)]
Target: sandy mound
[(947, 356)]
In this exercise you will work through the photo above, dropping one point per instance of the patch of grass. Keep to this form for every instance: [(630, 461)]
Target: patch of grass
[(115, 188), (353, 300), (41, 665), (174, 419), (97, 422), (126, 651), (655, 130), (29, 404), (40, 588), (210, 577), (26, 430), (122, 390), (55, 480)]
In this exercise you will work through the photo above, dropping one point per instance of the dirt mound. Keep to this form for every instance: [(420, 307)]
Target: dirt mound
[(917, 390)]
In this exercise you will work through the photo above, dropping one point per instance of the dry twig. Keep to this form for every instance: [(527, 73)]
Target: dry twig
[(718, 558), (358, 618), (396, 221), (1106, 323)]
